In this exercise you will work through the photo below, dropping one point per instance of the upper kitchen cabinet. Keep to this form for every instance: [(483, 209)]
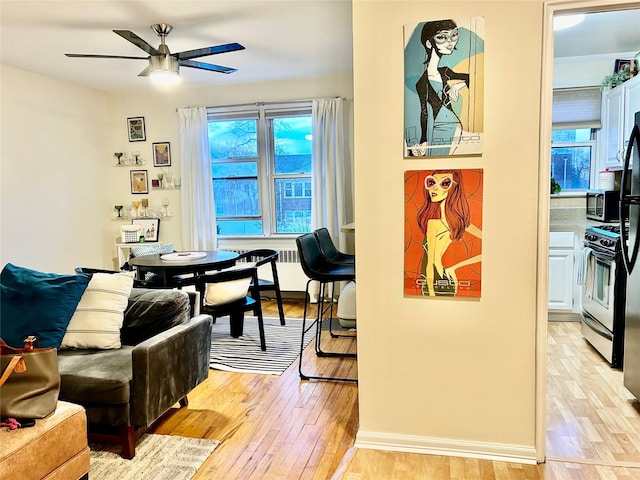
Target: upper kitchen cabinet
[(618, 109)]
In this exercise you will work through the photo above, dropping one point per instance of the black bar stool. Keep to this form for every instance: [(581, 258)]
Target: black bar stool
[(329, 250), (317, 268), (333, 255)]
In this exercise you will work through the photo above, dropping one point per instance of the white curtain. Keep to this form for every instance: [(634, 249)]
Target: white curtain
[(332, 200), (198, 208)]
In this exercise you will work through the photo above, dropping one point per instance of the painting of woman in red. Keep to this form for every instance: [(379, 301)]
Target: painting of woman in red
[(443, 233)]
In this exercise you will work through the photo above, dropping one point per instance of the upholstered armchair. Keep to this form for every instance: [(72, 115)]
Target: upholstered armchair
[(164, 355)]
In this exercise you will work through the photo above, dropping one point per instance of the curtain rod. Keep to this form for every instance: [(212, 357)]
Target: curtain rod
[(260, 104)]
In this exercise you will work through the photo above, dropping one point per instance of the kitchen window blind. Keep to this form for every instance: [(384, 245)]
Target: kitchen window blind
[(576, 108)]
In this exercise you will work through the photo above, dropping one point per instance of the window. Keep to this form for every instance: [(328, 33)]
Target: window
[(261, 169), (572, 154), (576, 120)]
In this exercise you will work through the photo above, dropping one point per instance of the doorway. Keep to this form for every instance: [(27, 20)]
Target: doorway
[(582, 404)]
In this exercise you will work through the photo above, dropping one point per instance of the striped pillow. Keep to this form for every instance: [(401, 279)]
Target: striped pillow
[(98, 318)]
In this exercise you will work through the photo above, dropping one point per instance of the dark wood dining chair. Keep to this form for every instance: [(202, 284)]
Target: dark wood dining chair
[(257, 258), (89, 270), (230, 292)]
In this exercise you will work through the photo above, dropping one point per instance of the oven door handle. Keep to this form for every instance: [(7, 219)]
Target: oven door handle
[(600, 252), (595, 326)]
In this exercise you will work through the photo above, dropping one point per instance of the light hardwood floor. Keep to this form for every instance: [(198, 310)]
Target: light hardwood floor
[(278, 427)]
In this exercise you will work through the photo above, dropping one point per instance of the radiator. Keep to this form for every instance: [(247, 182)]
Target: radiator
[(290, 274)]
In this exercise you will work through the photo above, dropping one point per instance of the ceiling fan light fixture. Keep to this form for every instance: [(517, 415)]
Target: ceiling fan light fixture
[(164, 69)]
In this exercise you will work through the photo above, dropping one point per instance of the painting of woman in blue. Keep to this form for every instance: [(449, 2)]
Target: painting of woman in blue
[(442, 115)]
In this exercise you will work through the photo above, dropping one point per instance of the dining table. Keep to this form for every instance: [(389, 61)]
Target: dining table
[(168, 267)]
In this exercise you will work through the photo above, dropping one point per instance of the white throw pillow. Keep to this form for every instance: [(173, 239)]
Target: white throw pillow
[(226, 292), (99, 315)]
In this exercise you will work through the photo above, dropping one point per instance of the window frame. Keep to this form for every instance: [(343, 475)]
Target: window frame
[(266, 167), (595, 156)]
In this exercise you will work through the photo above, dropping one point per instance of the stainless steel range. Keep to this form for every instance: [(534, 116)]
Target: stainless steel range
[(604, 292)]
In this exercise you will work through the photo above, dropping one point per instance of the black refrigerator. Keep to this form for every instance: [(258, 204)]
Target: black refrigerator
[(630, 204)]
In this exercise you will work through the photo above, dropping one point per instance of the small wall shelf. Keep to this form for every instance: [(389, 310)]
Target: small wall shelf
[(127, 218)]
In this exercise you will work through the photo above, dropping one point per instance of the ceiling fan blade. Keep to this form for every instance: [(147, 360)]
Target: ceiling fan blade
[(206, 66), (203, 52), (84, 55), (145, 72), (137, 41)]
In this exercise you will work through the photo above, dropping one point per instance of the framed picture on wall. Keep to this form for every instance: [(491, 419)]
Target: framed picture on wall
[(139, 181), (621, 65), (150, 228), (135, 126), (161, 154)]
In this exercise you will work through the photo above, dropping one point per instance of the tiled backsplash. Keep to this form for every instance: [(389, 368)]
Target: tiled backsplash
[(567, 207)]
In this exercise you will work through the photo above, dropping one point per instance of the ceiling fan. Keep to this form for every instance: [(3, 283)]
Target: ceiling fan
[(161, 60)]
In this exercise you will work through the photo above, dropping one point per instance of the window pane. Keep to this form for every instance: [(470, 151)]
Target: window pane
[(571, 167), (239, 227), (292, 141), (572, 135), (233, 139), (236, 198), (293, 205), (234, 169)]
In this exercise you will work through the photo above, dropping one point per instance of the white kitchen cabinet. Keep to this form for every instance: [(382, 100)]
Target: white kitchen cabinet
[(618, 109), (561, 271)]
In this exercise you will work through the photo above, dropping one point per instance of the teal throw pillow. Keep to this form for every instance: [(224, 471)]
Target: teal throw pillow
[(37, 303), (145, 250)]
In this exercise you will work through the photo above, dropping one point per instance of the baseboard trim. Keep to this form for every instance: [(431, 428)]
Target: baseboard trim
[(450, 448), (564, 317)]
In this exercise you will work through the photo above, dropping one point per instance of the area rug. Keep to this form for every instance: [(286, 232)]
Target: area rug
[(158, 457), (243, 354)]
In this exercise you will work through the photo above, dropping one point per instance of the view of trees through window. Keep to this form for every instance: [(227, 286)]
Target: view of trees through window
[(261, 171), (571, 155)]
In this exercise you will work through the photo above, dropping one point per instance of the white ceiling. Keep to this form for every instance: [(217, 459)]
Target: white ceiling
[(600, 33), (283, 38)]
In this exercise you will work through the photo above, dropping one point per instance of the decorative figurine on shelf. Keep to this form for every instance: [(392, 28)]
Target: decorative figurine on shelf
[(118, 156), (119, 209)]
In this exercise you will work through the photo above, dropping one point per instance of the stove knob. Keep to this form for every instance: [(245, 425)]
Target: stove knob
[(590, 237), (607, 243)]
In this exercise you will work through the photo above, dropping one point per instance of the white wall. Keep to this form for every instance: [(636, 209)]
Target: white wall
[(446, 375), (54, 173), (584, 71)]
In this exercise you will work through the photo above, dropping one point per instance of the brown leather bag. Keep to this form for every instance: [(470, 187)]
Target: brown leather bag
[(29, 380)]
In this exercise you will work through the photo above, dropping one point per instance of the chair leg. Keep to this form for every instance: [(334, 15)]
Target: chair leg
[(276, 287), (318, 324), (322, 309), (263, 343), (280, 307), (128, 440), (236, 323), (184, 401)]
